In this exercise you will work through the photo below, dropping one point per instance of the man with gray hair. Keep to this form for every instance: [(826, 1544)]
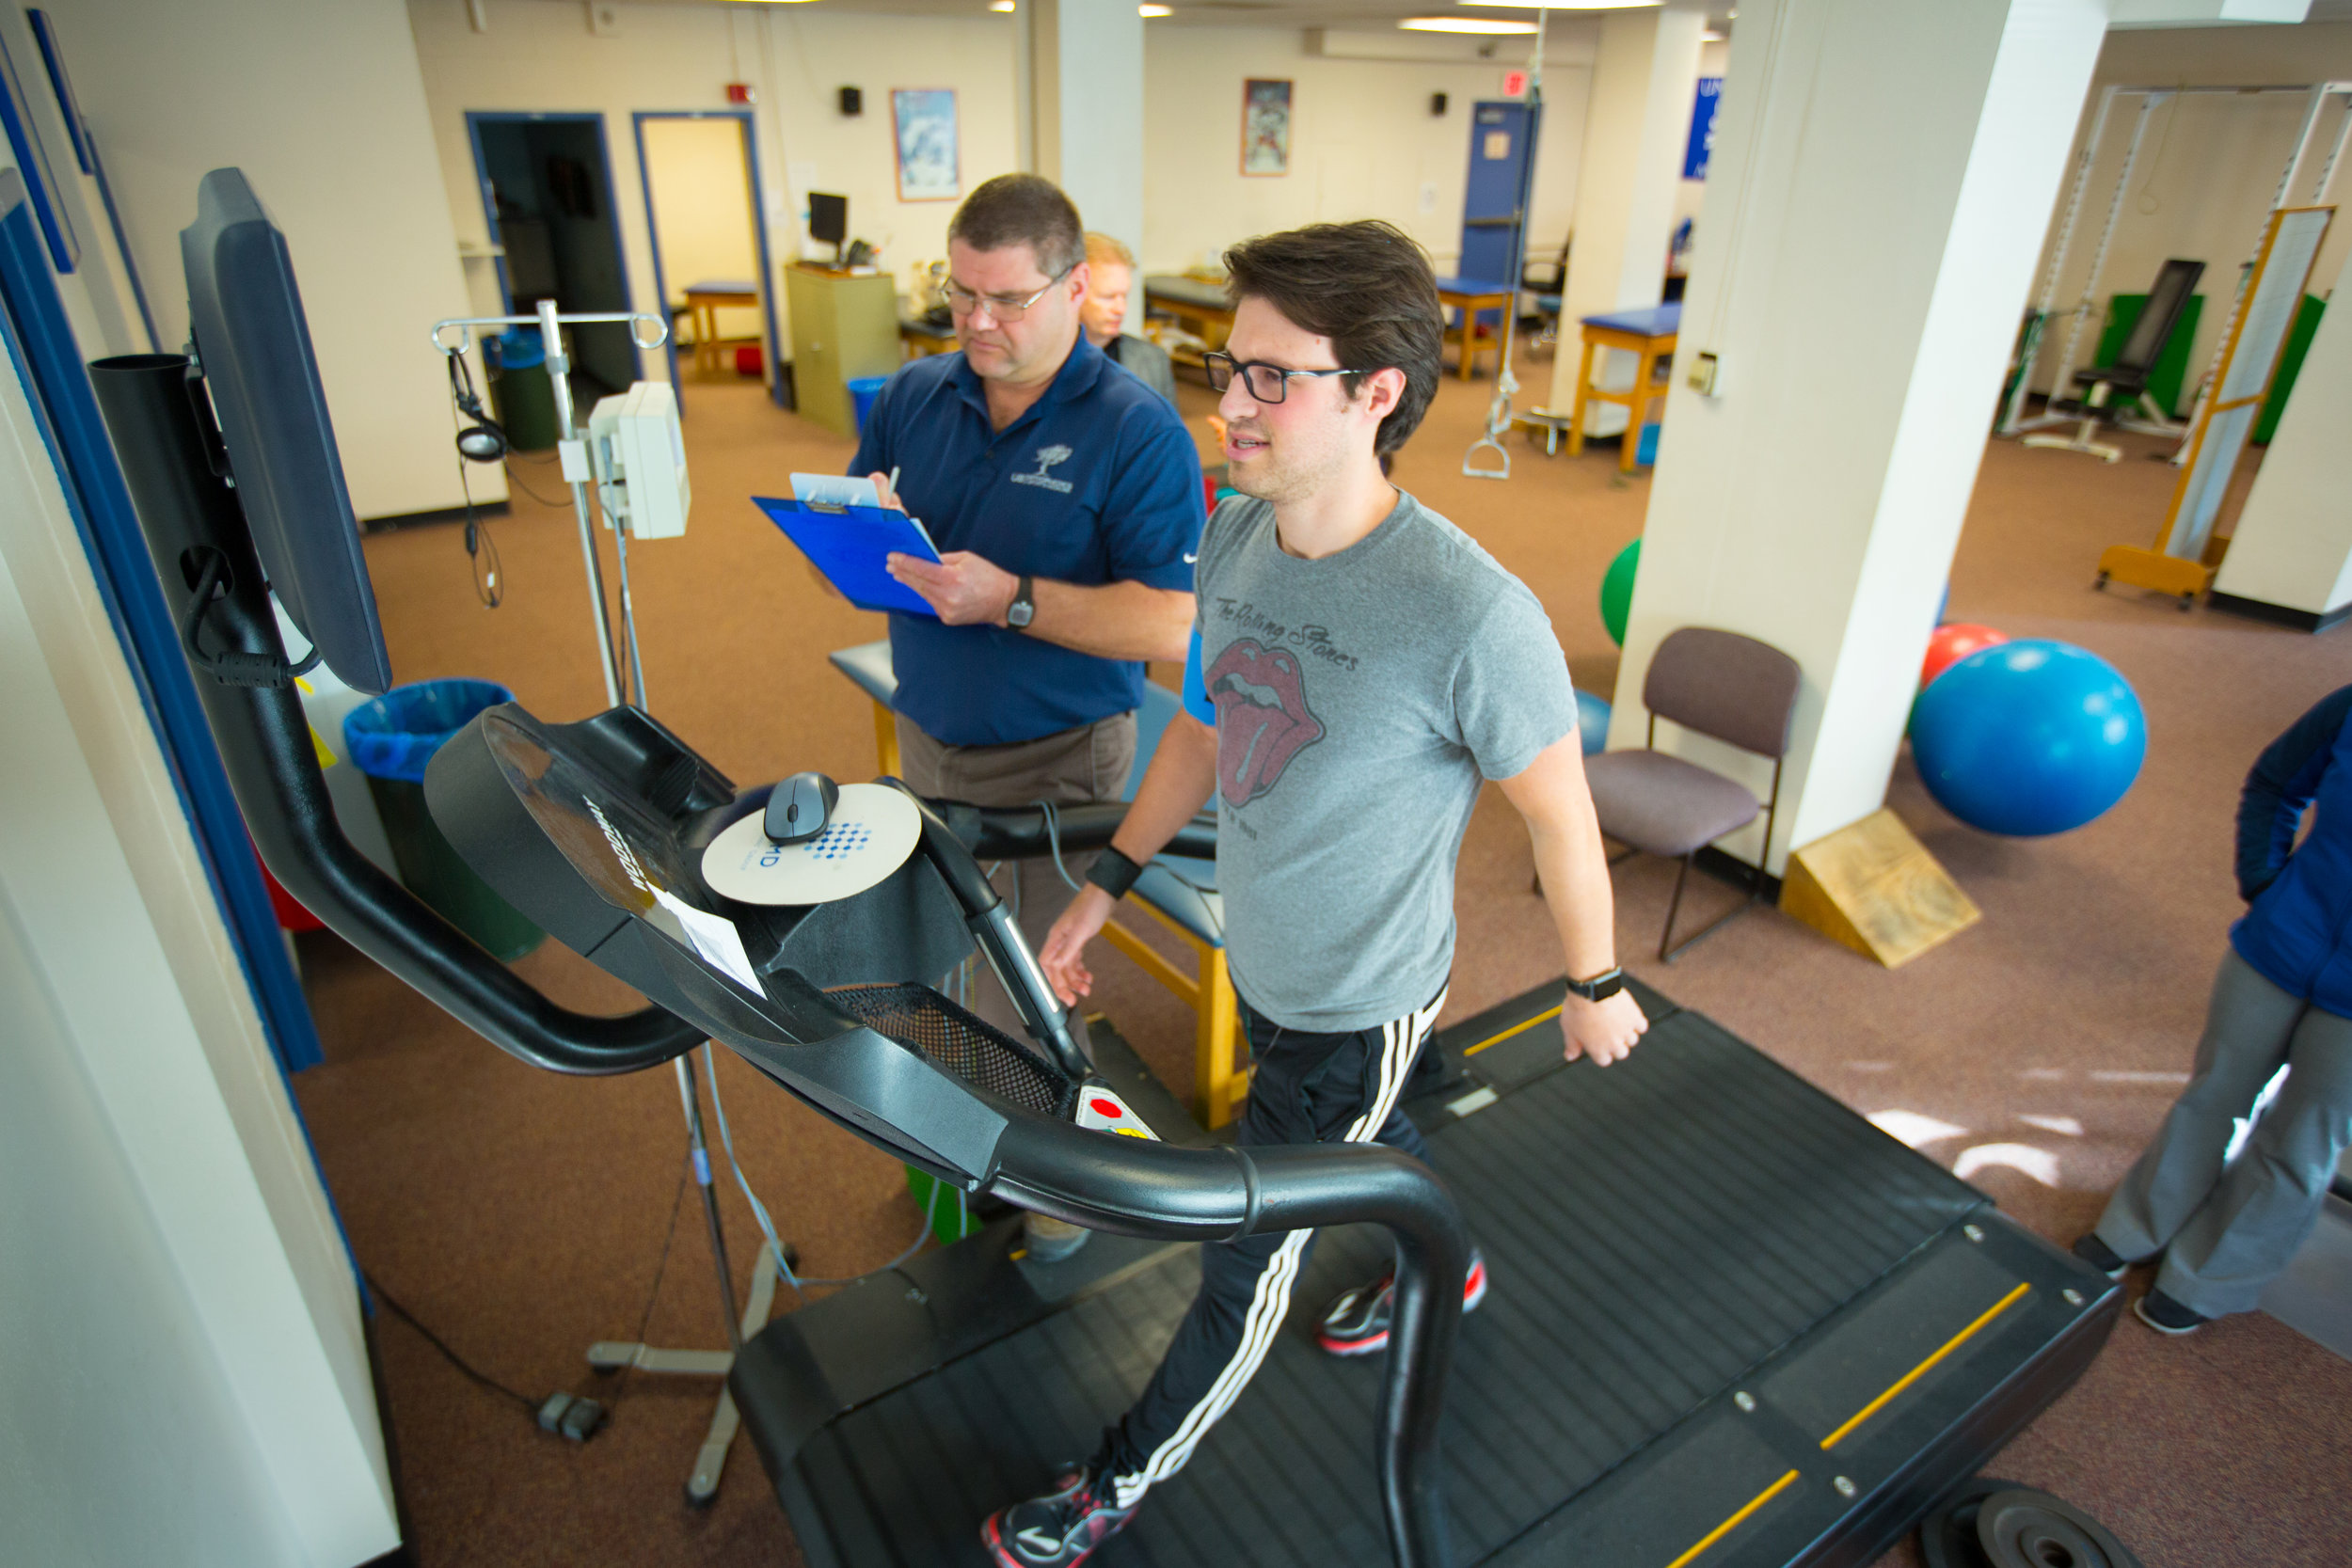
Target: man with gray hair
[(1066, 502), (1108, 290)]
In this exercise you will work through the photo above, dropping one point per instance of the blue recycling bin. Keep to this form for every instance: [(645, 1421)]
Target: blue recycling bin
[(390, 741), (863, 389)]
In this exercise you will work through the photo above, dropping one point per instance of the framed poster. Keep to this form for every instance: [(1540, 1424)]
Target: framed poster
[(1265, 126), (924, 122)]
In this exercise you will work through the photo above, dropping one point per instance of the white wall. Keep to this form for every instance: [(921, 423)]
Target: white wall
[(2206, 170), (702, 201), (1363, 144), (320, 103), (541, 56), (185, 1378)]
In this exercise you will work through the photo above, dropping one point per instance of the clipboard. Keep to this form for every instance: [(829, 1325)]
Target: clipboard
[(848, 544)]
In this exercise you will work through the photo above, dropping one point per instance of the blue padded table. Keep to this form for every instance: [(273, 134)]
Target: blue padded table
[(1649, 336), (1473, 296)]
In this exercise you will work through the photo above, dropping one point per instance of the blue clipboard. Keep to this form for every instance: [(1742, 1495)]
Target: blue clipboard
[(848, 544)]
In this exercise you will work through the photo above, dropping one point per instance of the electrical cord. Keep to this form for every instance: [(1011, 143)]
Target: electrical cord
[(234, 667), (759, 1210), (1053, 842), (482, 550), (516, 481), (484, 1379)]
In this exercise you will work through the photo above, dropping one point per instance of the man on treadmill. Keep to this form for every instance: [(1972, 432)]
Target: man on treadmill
[(1359, 667)]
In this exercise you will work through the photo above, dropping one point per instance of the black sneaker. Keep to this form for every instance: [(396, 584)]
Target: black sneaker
[(1357, 1324), (1059, 1529), (2167, 1316), (2100, 1255)]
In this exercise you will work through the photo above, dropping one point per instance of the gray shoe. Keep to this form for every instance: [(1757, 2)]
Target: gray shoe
[(1050, 1240)]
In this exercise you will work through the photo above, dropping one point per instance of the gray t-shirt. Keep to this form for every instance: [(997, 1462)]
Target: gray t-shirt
[(1360, 701)]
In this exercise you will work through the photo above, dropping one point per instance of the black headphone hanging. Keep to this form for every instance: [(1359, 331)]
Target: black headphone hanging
[(482, 441)]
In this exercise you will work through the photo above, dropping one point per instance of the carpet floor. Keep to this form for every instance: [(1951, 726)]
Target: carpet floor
[(523, 1216)]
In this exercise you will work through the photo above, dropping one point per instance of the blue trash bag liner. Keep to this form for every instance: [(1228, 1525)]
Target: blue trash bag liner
[(863, 391), (518, 349), (396, 734)]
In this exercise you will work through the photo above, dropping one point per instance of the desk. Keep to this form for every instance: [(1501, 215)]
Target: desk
[(704, 301), (1470, 296), (1201, 305), (1651, 335), (923, 340)]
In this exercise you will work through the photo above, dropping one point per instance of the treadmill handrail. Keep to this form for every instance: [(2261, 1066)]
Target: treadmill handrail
[(265, 742)]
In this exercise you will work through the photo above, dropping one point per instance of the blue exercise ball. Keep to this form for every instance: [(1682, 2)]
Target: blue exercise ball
[(2027, 738), (1591, 722)]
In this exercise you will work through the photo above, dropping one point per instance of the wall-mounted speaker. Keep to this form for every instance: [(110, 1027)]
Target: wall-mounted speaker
[(1436, 103), (852, 101)]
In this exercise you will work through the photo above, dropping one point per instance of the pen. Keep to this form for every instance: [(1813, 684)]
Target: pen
[(894, 479)]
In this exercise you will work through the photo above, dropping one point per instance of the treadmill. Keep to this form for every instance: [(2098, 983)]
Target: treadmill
[(1732, 1323)]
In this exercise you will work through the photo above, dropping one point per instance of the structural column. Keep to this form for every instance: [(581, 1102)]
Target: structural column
[(1881, 181), (2292, 554), (1636, 124), (1085, 84)]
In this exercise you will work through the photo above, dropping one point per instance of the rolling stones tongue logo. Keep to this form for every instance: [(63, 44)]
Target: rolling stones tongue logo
[(1262, 717)]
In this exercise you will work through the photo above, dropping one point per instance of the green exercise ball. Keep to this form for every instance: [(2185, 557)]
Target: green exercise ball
[(1616, 591)]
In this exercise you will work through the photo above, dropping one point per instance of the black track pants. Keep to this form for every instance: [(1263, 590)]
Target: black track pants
[(1308, 1089)]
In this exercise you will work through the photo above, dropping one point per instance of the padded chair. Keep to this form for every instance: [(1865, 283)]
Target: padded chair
[(2108, 392), (1713, 682), (1177, 891)]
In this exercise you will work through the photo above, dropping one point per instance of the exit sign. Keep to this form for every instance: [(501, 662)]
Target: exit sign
[(1515, 84)]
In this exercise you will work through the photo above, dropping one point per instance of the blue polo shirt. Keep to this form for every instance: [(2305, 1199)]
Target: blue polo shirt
[(1096, 482)]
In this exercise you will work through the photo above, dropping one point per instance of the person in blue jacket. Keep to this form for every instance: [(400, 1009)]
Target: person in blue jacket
[(2283, 998)]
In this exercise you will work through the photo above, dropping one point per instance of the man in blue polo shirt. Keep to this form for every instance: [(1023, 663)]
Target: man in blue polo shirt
[(1065, 498)]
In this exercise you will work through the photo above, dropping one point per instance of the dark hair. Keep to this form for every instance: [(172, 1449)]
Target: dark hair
[(1368, 287), (1022, 209)]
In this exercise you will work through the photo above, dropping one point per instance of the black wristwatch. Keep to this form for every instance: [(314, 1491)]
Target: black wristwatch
[(1114, 873), (1023, 609), (1601, 987)]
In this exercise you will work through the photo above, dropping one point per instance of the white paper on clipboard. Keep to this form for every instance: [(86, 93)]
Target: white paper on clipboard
[(836, 491)]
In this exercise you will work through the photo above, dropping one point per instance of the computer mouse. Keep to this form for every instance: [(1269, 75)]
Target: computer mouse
[(799, 807)]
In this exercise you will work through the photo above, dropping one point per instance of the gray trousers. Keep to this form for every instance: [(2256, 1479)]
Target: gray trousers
[(1073, 768), (2225, 1232)]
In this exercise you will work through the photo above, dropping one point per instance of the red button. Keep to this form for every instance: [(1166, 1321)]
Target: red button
[(1105, 1108)]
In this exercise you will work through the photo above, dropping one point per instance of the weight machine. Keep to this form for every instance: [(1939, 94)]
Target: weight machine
[(2316, 96)]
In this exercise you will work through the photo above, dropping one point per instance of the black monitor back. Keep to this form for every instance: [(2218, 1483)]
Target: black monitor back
[(254, 344), (828, 218)]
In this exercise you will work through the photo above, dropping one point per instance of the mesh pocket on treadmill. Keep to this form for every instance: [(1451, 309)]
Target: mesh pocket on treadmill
[(927, 1024)]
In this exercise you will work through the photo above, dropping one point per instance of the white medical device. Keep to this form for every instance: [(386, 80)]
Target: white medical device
[(638, 455)]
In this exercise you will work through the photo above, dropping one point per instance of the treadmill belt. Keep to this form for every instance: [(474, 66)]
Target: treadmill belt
[(1654, 1232)]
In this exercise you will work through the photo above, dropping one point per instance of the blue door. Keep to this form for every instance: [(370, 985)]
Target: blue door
[(1494, 204)]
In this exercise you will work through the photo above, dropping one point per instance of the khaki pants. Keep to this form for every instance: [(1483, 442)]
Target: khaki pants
[(1077, 767)]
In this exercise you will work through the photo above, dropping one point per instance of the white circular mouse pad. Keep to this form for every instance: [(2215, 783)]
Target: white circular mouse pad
[(872, 830)]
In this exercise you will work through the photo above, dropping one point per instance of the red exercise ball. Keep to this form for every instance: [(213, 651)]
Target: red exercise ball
[(1954, 642)]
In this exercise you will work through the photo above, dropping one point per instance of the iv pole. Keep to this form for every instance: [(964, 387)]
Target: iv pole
[(1499, 414), (702, 1485), (574, 453)]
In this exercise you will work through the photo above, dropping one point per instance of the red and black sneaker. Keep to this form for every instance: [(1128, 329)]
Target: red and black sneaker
[(1357, 1324), (1059, 1529)]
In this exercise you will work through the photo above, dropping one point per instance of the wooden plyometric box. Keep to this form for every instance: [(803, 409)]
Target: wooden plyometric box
[(1875, 888)]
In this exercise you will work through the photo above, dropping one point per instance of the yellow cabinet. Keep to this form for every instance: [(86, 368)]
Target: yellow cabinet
[(844, 326)]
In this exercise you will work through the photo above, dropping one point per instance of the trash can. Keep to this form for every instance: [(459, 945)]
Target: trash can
[(521, 393), (863, 389), (391, 740)]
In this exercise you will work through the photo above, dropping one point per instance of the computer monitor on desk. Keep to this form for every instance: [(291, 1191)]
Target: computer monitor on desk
[(829, 221)]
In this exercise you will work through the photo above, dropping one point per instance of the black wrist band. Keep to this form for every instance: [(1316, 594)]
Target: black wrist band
[(1114, 873)]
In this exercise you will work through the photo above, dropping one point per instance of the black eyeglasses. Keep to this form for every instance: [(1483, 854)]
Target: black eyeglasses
[(1266, 383)]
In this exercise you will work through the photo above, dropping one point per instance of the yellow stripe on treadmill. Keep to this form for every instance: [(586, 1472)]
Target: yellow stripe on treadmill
[(1916, 1372), (1515, 1029), (1733, 1523)]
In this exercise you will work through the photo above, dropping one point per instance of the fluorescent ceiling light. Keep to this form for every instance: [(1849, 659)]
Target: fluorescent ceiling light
[(1714, 34), (1566, 5), (1463, 25), (1154, 10), (1003, 6)]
